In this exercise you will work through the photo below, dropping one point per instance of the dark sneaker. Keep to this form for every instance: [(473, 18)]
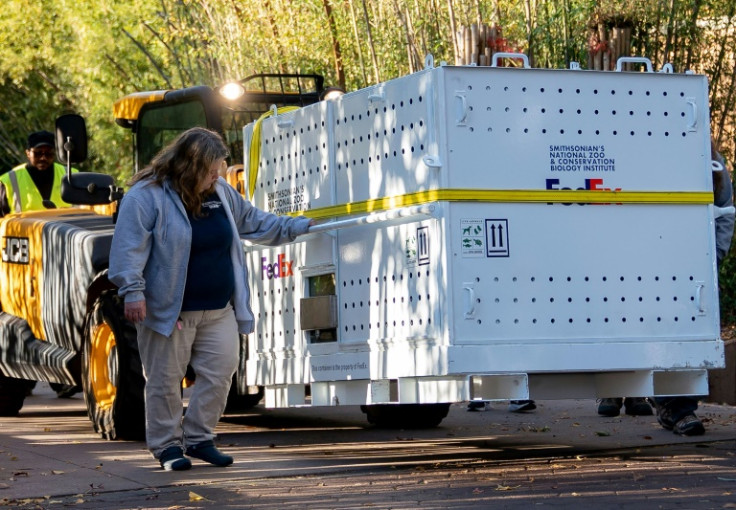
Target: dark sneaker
[(610, 406), (520, 406), (476, 405), (690, 425), (172, 459), (664, 417), (207, 452), (637, 406)]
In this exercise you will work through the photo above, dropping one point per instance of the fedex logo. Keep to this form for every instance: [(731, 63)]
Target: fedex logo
[(590, 185), (279, 269)]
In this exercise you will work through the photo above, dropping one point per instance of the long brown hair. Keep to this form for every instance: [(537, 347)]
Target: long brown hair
[(185, 162)]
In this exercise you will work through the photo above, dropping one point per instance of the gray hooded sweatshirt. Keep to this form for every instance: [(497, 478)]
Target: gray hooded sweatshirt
[(150, 249)]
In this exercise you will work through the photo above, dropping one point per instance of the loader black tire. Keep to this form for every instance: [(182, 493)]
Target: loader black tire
[(405, 416), (112, 374), (12, 394)]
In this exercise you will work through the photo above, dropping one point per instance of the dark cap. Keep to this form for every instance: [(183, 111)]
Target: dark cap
[(39, 139)]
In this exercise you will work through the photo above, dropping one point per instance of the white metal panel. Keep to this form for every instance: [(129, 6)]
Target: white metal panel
[(518, 128), (579, 273), (294, 171), (382, 134), (389, 282)]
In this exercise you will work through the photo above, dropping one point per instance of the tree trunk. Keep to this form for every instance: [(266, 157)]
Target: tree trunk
[(670, 32), (358, 45), (336, 51), (453, 32), (566, 32), (276, 35), (371, 45), (693, 43), (530, 12)]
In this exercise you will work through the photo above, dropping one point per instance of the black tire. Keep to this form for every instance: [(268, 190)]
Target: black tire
[(405, 416), (12, 394), (112, 375), (237, 403), (65, 390)]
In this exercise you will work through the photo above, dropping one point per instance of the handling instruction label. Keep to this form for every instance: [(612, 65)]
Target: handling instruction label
[(473, 237), (580, 158)]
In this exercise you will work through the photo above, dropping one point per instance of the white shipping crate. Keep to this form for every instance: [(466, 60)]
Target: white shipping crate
[(496, 233)]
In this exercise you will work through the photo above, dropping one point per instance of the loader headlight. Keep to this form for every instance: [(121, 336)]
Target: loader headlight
[(232, 91)]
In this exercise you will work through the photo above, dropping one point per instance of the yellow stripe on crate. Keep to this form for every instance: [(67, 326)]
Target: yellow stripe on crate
[(512, 196)]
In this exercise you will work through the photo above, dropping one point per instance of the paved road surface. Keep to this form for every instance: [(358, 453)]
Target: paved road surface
[(562, 455)]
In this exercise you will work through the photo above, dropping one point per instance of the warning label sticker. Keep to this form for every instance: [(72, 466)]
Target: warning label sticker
[(497, 238), (484, 237), (473, 237)]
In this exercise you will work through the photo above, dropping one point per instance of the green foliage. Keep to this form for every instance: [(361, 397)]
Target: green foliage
[(727, 287)]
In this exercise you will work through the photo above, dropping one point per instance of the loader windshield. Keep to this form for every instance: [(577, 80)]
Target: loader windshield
[(164, 122), (157, 118)]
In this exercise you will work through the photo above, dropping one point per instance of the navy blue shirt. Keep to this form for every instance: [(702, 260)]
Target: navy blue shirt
[(210, 281)]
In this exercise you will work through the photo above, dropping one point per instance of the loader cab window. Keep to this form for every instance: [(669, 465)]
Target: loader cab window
[(160, 123)]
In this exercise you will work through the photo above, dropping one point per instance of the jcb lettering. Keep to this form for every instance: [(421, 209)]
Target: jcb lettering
[(279, 269), (15, 250)]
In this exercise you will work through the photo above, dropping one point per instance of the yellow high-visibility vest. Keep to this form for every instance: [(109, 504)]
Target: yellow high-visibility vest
[(22, 193)]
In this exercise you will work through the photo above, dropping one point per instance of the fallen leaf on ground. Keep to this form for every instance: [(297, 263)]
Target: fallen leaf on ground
[(193, 496)]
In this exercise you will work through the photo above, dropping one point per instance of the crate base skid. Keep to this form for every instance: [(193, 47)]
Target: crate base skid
[(498, 387)]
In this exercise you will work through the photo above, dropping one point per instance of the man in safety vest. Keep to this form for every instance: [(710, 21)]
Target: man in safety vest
[(36, 184)]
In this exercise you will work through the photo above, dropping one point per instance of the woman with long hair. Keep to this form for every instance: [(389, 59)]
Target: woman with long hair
[(177, 260)]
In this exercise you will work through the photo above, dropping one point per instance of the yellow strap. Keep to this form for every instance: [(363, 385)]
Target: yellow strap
[(255, 147), (512, 196)]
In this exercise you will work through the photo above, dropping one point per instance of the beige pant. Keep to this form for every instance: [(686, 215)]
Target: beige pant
[(208, 340)]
